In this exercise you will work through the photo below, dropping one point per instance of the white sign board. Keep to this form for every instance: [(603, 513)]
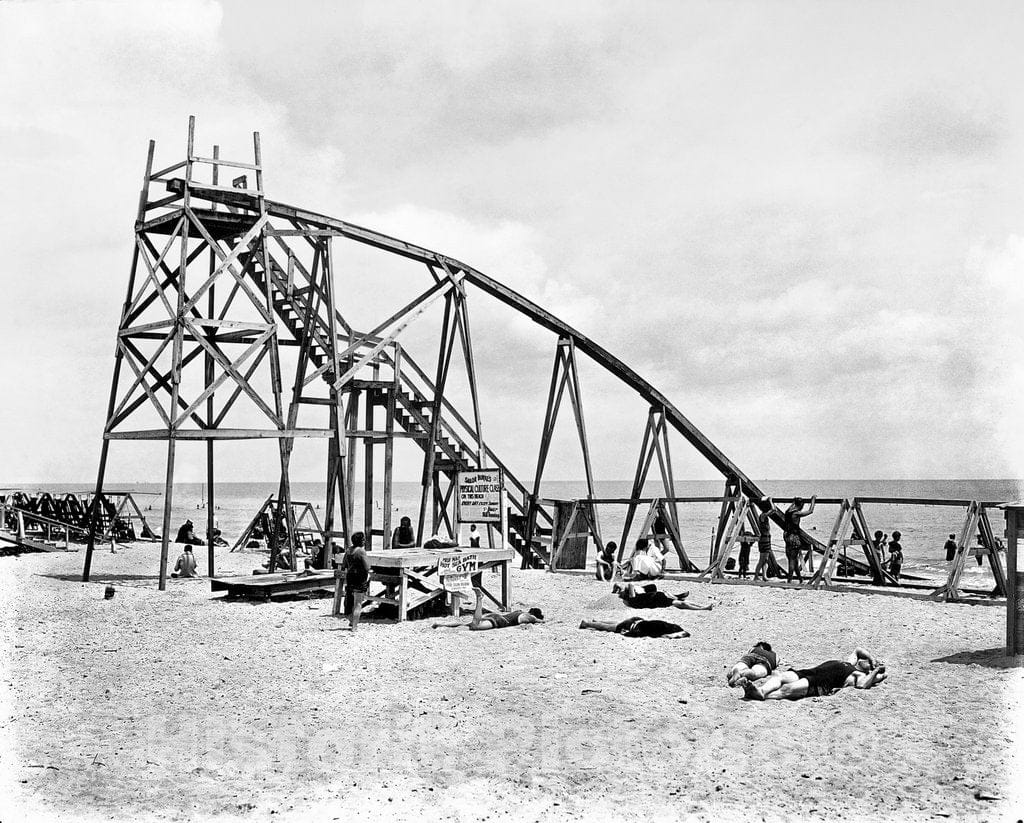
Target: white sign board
[(458, 584), (457, 564), (479, 495), (455, 571)]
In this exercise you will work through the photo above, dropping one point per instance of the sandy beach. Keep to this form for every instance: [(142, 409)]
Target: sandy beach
[(179, 705)]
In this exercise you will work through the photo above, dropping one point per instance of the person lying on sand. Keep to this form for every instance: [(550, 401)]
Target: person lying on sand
[(860, 671), (756, 664), (648, 597), (495, 620), (638, 627)]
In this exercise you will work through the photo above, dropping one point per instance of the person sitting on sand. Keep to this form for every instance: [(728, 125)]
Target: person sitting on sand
[(186, 565), (494, 620), (648, 597), (187, 535), (403, 537), (646, 563), (638, 627), (756, 664), (606, 562), (356, 566), (860, 670)]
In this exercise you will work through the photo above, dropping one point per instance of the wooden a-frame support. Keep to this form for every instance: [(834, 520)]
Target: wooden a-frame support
[(655, 442), (737, 513), (850, 521), (976, 524), (564, 375)]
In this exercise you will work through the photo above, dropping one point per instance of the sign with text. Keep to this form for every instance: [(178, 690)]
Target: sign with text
[(479, 495), (455, 571), (458, 583), (457, 564)]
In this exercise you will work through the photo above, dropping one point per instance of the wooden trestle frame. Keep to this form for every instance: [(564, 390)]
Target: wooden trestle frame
[(222, 277)]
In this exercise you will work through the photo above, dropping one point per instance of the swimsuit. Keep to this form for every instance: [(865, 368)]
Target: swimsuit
[(649, 600), (638, 627), (758, 655), (826, 677), (502, 621)]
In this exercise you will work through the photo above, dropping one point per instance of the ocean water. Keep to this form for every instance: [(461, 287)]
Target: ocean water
[(924, 528)]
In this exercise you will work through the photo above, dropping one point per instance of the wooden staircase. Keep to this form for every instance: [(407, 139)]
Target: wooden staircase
[(456, 448)]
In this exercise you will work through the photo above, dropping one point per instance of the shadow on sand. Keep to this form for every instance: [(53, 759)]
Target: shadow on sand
[(996, 658)]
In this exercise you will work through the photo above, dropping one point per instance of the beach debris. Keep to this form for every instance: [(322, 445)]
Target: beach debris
[(982, 795), (108, 593), (591, 691)]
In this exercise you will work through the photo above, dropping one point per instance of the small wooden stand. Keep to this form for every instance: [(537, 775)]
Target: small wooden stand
[(410, 577)]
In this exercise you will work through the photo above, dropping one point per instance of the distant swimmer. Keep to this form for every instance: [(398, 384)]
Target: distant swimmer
[(950, 548), (648, 597), (482, 621), (859, 671), (756, 664), (638, 627)]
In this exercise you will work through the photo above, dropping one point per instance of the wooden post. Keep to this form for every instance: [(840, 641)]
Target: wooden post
[(1014, 581)]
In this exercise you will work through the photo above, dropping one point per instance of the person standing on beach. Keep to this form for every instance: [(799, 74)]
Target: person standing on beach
[(356, 566), (764, 542), (746, 539), (474, 537), (895, 556), (791, 531), (950, 548), (660, 532)]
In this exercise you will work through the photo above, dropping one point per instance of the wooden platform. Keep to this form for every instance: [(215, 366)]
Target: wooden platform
[(265, 586), (410, 579)]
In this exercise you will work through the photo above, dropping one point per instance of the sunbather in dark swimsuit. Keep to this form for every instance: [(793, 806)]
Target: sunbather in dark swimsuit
[(826, 677)]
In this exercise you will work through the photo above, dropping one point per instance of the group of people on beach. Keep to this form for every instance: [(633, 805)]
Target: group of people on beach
[(757, 672)]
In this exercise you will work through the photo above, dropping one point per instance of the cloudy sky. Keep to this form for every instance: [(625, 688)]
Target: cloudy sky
[(803, 222)]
